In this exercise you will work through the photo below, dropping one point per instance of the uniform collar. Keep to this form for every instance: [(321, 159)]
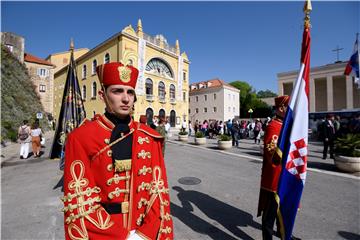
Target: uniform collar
[(108, 121)]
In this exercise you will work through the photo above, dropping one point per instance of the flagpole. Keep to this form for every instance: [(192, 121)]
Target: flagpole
[(307, 10), (357, 80)]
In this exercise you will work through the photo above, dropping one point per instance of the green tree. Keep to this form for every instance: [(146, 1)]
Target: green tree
[(246, 96), (265, 94), (249, 99)]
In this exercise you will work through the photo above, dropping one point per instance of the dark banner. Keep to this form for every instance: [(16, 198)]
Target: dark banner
[(72, 112)]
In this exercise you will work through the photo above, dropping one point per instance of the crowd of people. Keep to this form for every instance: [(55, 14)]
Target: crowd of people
[(236, 128), (326, 130)]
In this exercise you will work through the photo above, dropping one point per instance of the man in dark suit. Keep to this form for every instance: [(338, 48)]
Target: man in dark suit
[(329, 135)]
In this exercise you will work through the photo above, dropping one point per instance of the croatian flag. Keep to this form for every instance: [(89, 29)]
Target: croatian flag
[(292, 145), (353, 64)]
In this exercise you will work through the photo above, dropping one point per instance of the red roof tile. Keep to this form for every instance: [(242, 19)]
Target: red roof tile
[(31, 58), (213, 83)]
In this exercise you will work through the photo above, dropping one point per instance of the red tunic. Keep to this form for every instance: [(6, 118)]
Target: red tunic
[(138, 185), (270, 172)]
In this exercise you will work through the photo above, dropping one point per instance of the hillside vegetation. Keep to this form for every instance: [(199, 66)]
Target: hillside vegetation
[(19, 101)]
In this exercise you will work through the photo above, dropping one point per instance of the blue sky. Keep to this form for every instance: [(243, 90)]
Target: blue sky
[(247, 41)]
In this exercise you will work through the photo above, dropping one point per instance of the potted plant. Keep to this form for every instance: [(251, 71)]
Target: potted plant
[(183, 136), (347, 153), (225, 142), (200, 138)]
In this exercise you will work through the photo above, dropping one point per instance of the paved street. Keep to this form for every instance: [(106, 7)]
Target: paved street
[(221, 205)]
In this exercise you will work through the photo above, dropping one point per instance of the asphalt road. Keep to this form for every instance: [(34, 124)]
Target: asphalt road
[(221, 203)]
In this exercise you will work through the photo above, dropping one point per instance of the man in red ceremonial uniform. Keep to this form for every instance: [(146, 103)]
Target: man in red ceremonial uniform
[(271, 169), (115, 184)]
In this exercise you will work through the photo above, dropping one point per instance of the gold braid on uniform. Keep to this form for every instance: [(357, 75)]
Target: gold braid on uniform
[(77, 185), (157, 190)]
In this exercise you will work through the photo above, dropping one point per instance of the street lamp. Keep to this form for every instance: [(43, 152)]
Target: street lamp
[(250, 111)]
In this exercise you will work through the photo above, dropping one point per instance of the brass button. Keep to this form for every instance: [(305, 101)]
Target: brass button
[(110, 167), (109, 153)]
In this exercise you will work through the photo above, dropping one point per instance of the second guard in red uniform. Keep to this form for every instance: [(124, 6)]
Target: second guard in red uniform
[(115, 184), (271, 169)]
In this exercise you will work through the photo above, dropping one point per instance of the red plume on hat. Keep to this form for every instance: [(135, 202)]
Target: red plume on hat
[(116, 73)]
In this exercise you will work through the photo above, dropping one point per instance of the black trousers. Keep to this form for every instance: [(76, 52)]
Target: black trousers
[(327, 144), (269, 216)]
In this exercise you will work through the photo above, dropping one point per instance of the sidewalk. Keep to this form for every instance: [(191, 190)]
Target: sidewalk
[(11, 151), (247, 148)]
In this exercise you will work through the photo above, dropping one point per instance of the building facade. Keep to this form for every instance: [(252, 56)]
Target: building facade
[(15, 44), (213, 100), (162, 86), (42, 75), (329, 90), (63, 58)]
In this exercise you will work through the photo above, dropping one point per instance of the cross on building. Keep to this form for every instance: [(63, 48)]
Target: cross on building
[(337, 50)]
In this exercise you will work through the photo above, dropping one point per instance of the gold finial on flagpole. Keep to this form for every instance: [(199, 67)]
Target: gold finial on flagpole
[(71, 44), (307, 10)]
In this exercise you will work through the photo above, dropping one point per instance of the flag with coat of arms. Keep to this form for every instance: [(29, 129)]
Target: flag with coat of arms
[(293, 140)]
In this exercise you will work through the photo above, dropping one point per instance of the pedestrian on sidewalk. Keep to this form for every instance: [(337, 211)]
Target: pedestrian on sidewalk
[(329, 135), (160, 128), (115, 183), (36, 135), (257, 129), (271, 169), (183, 126), (235, 130), (167, 127), (24, 139), (190, 128)]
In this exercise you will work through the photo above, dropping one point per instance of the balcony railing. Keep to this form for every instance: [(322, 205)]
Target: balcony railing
[(162, 99), (172, 100), (150, 97)]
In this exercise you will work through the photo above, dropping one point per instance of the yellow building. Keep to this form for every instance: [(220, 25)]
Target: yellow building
[(162, 86), (63, 58)]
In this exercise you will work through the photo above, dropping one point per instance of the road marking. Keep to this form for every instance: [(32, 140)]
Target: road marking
[(260, 160)]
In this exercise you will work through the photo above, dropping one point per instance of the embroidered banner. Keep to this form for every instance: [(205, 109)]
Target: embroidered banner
[(180, 80), (141, 67)]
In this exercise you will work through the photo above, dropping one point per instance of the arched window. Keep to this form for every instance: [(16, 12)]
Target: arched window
[(161, 91), (93, 92), (84, 72), (84, 92), (149, 86), (94, 65), (149, 116), (107, 58), (172, 91), (159, 67), (172, 118), (162, 113)]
